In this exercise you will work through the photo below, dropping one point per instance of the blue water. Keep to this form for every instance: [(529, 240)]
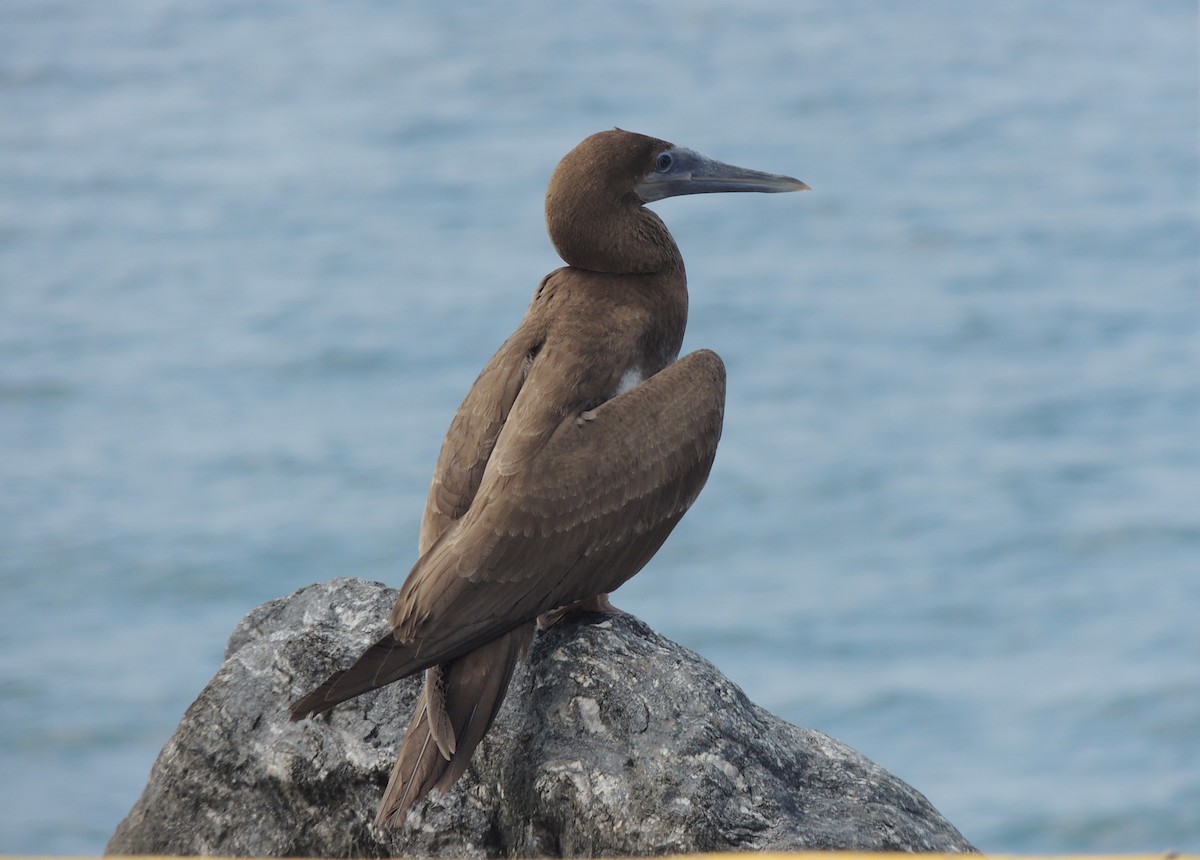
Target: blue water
[(252, 255)]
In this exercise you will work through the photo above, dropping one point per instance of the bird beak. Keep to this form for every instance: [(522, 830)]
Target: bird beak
[(681, 171)]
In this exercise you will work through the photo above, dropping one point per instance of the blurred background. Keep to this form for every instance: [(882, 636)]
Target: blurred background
[(253, 254)]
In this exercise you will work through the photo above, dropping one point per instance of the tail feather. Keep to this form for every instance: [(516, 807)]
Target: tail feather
[(433, 700), (460, 700)]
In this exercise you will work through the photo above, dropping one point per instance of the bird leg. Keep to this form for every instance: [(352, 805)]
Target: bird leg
[(596, 603)]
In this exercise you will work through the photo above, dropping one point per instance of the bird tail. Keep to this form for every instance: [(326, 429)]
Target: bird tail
[(455, 710)]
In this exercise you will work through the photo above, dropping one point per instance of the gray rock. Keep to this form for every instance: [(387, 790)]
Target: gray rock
[(613, 741)]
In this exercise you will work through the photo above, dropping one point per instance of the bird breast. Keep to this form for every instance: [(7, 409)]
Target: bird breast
[(631, 378)]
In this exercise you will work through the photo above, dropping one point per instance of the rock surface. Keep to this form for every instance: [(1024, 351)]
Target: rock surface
[(613, 741)]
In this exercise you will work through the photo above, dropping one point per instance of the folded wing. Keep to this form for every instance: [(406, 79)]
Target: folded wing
[(587, 511)]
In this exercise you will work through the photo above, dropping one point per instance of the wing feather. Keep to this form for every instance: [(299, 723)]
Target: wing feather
[(472, 436), (597, 498), (596, 501)]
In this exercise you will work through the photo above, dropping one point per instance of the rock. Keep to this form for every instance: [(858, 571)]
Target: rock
[(613, 741)]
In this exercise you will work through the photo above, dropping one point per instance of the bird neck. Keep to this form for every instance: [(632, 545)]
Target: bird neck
[(625, 238)]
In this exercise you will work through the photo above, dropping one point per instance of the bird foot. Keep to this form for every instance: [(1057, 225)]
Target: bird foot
[(598, 603)]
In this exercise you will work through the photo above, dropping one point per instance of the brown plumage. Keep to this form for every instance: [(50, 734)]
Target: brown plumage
[(579, 447)]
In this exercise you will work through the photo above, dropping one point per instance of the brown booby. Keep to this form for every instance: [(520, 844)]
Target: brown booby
[(575, 453)]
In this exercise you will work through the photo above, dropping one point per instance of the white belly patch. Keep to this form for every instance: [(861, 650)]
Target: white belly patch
[(629, 379)]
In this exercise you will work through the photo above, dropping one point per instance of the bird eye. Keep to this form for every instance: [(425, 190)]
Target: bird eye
[(663, 163)]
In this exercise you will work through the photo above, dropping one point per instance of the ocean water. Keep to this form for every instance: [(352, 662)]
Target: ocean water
[(252, 255)]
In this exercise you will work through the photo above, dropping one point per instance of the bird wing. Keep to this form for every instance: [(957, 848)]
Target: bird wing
[(591, 506), (465, 452), (472, 436)]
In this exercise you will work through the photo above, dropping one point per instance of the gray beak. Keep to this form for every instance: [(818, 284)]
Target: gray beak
[(679, 170)]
